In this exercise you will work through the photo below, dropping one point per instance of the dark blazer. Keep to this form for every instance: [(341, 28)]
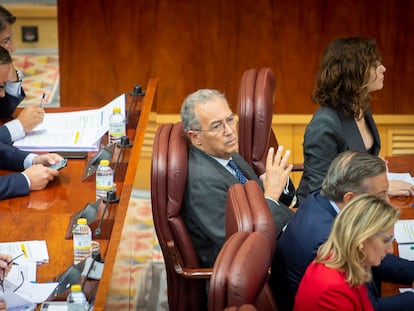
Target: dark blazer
[(329, 133), (205, 203), (11, 158), (9, 103), (298, 245), (5, 135)]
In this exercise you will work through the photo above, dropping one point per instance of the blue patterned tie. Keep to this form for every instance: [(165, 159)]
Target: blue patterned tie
[(239, 174)]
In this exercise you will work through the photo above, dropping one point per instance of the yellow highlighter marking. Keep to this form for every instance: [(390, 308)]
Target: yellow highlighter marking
[(24, 250), (76, 137)]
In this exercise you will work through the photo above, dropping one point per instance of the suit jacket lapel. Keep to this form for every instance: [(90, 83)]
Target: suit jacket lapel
[(352, 135)]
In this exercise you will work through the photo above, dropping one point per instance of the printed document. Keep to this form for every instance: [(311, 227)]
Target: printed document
[(71, 131)]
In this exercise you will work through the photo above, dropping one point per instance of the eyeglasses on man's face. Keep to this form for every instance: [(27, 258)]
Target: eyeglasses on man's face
[(218, 127), (6, 41)]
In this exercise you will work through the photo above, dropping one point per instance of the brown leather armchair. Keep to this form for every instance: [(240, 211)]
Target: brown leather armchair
[(246, 307), (186, 281), (240, 273), (255, 111), (247, 210)]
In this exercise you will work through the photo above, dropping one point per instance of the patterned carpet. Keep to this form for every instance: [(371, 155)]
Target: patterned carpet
[(147, 288), (41, 75)]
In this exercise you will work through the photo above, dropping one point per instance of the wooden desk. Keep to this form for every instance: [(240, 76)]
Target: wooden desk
[(46, 214), (400, 164)]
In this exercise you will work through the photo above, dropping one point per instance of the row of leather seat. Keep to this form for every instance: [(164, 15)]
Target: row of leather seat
[(238, 277)]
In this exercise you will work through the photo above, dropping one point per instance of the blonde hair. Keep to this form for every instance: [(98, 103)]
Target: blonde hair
[(363, 217)]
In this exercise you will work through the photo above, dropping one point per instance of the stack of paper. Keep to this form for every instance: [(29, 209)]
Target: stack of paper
[(401, 176), (33, 250), (404, 234), (21, 292), (71, 131)]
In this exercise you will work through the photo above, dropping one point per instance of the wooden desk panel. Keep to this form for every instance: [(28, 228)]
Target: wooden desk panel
[(46, 214), (400, 164)]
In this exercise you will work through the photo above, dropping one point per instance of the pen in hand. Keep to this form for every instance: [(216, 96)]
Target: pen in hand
[(42, 102)]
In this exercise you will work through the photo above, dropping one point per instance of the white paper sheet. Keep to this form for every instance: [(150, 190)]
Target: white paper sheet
[(71, 131)]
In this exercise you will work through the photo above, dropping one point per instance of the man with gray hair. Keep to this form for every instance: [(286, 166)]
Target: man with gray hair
[(349, 175), (214, 164)]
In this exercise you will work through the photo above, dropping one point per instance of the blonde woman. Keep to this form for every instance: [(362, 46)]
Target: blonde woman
[(361, 237)]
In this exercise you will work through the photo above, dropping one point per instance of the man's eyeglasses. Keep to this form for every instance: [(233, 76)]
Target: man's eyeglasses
[(219, 126), (2, 274), (387, 239), (20, 283), (5, 42)]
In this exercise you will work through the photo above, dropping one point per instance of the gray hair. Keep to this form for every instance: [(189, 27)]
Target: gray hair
[(349, 172), (202, 96), (6, 18)]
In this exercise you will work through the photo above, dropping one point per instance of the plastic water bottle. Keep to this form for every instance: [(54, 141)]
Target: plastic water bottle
[(76, 300), (116, 126), (104, 179), (82, 241)]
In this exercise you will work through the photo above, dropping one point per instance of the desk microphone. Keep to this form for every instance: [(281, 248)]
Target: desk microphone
[(135, 93), (110, 197)]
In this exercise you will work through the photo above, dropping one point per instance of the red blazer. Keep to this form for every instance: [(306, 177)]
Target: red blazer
[(323, 288)]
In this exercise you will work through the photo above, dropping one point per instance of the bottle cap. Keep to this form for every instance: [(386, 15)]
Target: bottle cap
[(116, 110), (82, 221), (104, 162), (75, 288)]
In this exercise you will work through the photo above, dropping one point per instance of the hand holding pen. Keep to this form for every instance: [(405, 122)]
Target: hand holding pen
[(42, 101), (32, 115)]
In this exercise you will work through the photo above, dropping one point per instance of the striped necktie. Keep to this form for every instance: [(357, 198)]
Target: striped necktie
[(239, 174)]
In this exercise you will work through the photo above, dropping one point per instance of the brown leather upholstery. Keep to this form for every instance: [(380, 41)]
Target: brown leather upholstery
[(255, 111), (240, 273), (185, 280), (246, 307), (247, 210)]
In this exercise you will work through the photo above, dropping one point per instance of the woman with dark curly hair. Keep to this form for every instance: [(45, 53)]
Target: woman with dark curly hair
[(350, 70)]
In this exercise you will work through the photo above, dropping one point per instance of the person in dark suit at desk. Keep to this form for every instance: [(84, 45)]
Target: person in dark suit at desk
[(350, 71), (350, 174), (14, 93), (211, 128), (36, 175)]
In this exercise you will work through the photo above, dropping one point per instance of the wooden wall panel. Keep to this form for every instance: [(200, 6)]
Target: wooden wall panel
[(107, 46)]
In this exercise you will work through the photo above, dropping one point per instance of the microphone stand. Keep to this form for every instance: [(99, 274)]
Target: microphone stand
[(110, 198), (135, 93)]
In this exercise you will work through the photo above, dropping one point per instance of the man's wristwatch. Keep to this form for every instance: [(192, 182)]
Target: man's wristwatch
[(19, 75)]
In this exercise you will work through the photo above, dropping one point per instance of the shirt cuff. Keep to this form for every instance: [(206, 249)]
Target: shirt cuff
[(28, 161), (14, 88), (16, 130), (273, 200), (27, 179)]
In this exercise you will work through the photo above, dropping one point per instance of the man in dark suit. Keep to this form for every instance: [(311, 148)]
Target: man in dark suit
[(211, 128), (36, 175), (13, 92), (350, 174)]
